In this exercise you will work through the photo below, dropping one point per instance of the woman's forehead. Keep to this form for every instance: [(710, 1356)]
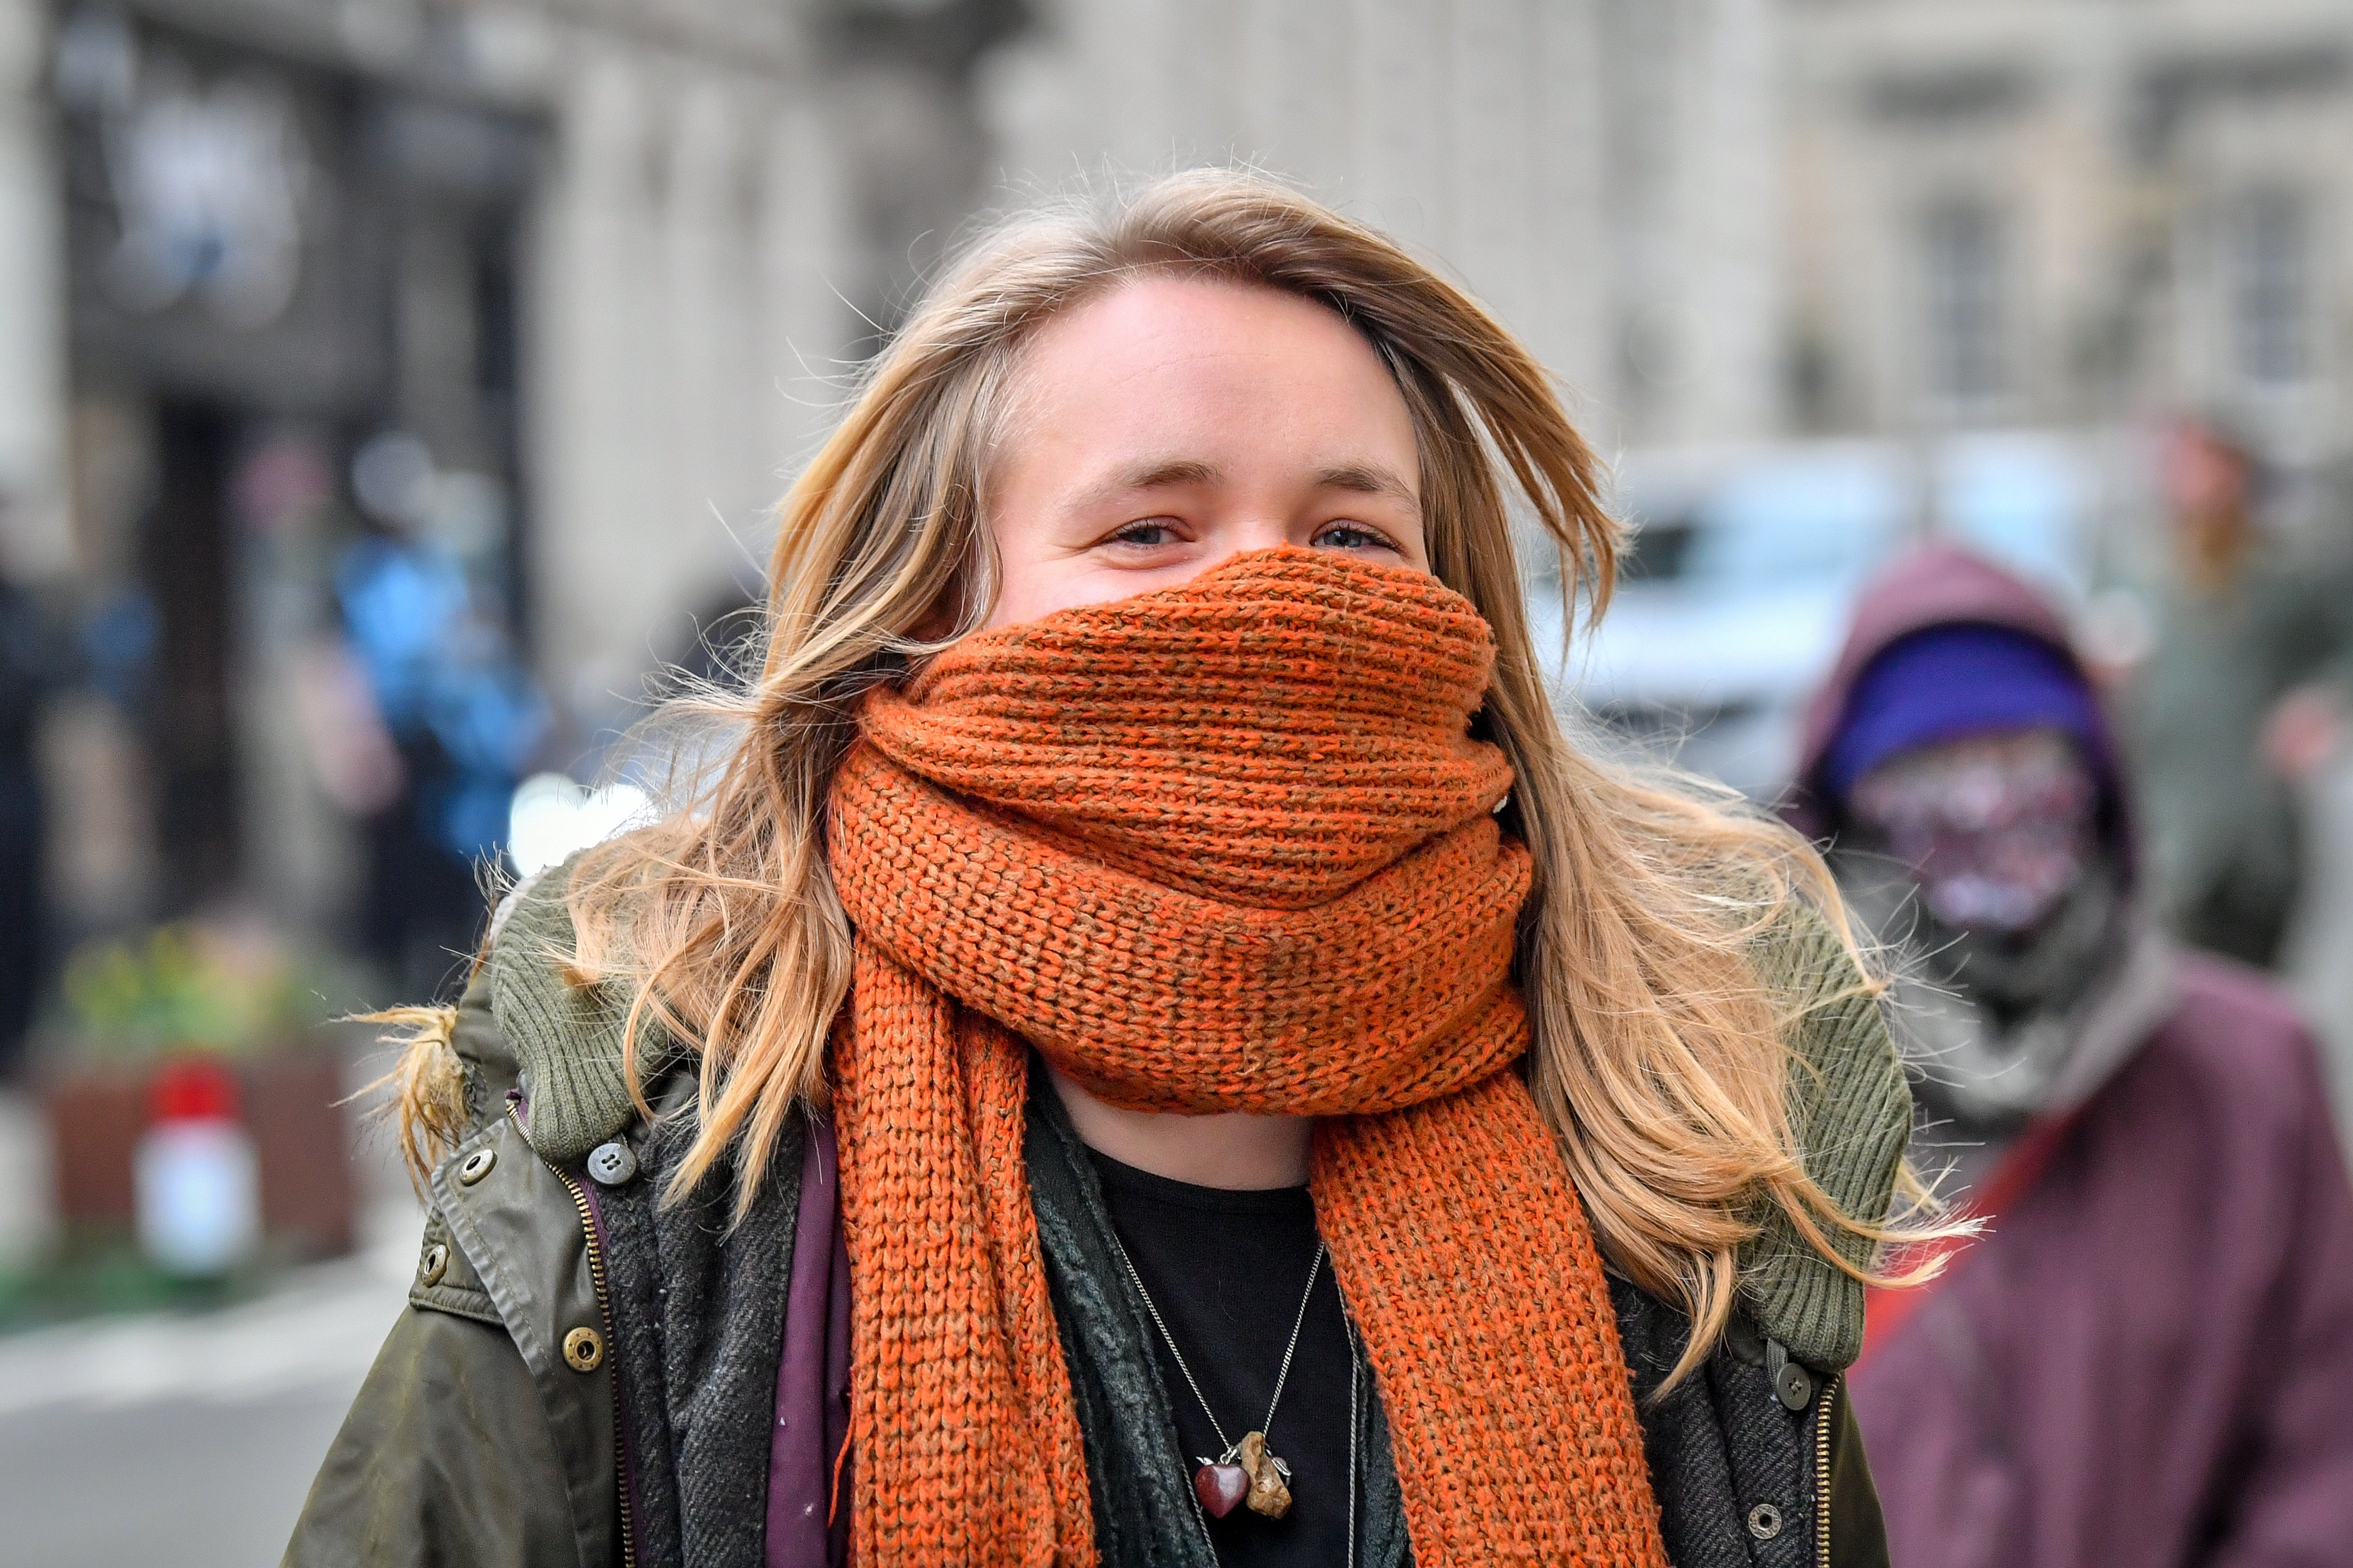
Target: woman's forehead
[(1193, 370)]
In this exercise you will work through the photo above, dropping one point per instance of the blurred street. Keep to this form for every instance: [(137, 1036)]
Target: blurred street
[(204, 1409)]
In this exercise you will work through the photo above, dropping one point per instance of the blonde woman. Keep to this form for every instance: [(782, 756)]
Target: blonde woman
[(1153, 1047)]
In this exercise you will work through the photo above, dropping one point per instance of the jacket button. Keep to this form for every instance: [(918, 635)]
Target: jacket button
[(585, 1349), (1764, 1521), (477, 1165), (1794, 1387), (436, 1263), (612, 1163)]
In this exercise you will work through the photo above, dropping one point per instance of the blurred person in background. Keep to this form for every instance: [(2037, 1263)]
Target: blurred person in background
[(2147, 1361), (1145, 1048), (429, 744), (2243, 698)]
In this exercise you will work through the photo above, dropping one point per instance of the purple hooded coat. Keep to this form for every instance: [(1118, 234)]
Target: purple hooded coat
[(2147, 1361)]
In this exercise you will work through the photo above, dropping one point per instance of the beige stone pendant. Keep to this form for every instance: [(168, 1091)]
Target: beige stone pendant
[(1270, 1486)]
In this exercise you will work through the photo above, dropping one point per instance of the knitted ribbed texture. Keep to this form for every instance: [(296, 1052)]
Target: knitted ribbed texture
[(1848, 1099), (567, 1037), (1852, 1111), (1222, 848)]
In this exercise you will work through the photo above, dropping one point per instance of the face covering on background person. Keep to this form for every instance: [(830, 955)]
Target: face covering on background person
[(1984, 854), (1996, 828)]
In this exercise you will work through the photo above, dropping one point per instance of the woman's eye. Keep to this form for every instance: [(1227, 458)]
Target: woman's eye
[(1149, 531), (1353, 536)]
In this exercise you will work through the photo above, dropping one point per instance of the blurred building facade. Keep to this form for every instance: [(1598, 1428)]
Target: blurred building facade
[(1602, 172), (2062, 214), (604, 266), (1727, 219), (555, 291)]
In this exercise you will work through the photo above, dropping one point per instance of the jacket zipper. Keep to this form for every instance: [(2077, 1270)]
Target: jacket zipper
[(604, 1312), (1823, 1472)]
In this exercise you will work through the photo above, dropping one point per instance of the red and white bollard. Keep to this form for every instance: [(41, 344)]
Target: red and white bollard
[(198, 1181)]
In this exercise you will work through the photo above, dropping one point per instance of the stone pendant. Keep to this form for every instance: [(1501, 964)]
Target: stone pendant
[(1270, 1485), (1221, 1486), (1247, 1472)]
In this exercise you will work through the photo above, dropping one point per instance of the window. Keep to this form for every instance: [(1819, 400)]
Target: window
[(1962, 267), (2267, 276)]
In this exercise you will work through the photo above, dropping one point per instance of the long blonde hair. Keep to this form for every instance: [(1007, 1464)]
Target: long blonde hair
[(1659, 1057)]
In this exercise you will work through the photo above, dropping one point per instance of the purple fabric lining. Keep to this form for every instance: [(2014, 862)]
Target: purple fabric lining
[(813, 1376)]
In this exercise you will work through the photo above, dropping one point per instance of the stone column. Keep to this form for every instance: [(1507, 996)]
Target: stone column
[(805, 321), (1568, 327), (1401, 141), (35, 536), (695, 264), (1495, 85), (722, 466), (1730, 135), (596, 380)]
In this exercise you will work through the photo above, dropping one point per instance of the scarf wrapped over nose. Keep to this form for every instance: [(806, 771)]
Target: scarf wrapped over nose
[(1229, 847)]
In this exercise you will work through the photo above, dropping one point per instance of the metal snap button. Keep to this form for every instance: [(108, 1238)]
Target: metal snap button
[(477, 1165), (612, 1163), (436, 1263), (1764, 1521), (585, 1349)]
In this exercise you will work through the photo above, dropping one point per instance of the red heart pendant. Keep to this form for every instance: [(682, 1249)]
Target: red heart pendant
[(1220, 1488)]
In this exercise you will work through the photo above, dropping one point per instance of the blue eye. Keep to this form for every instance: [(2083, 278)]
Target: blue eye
[(1352, 536)]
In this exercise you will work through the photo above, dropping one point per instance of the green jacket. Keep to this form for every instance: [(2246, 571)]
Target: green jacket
[(554, 1360)]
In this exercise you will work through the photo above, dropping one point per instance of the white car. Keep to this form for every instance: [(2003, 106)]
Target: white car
[(1734, 600)]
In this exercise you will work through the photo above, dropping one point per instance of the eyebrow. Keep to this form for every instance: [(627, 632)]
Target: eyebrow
[(1160, 473), (1153, 473), (1366, 479)]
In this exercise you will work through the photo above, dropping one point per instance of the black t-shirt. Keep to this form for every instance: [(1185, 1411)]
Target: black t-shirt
[(1227, 1270)]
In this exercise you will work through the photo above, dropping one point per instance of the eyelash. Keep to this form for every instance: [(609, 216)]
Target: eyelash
[(1371, 535), (1374, 535)]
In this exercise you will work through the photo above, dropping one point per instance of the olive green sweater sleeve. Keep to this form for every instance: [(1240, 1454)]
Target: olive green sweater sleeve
[(568, 1037), (1851, 1109)]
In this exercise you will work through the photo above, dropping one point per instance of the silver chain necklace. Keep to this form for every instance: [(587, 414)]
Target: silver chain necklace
[(1248, 1472)]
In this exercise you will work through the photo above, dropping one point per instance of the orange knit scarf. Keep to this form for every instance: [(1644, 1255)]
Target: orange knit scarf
[(1227, 846)]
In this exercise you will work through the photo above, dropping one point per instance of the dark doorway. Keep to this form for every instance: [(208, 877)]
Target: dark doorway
[(186, 556)]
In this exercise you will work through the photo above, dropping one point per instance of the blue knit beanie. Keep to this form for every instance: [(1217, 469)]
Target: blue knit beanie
[(1951, 681)]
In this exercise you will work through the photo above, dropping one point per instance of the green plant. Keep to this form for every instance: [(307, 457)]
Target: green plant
[(189, 985)]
